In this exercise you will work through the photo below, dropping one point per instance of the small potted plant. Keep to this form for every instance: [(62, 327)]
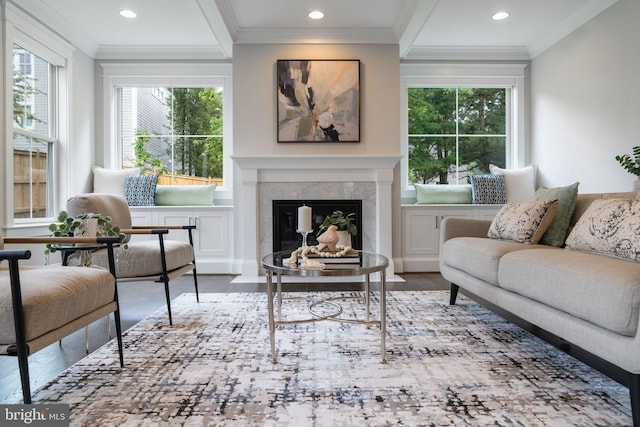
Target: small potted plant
[(346, 227), (83, 224)]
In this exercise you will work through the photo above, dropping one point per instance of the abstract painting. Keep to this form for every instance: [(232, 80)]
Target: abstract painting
[(318, 101)]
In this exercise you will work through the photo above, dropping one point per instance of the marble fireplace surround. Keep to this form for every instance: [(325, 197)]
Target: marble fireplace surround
[(260, 180)]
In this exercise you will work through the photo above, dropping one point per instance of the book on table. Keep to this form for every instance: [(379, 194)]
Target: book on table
[(352, 257)]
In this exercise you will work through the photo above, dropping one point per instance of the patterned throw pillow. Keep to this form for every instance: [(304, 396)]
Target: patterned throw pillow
[(140, 190), (488, 189), (609, 227), (523, 222)]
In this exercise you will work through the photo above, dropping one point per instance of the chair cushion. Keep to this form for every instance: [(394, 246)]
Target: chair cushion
[(52, 297), (106, 204), (143, 258)]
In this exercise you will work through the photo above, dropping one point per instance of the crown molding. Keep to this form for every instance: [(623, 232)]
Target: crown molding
[(467, 53), (146, 52), (317, 36)]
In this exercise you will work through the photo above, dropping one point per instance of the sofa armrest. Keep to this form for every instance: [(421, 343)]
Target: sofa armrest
[(463, 227)]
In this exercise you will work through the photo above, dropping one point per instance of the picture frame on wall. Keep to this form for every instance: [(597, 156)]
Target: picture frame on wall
[(318, 100)]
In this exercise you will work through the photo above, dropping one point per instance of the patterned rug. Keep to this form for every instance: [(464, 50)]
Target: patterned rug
[(447, 366)]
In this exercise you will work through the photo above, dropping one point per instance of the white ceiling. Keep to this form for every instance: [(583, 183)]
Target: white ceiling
[(207, 29)]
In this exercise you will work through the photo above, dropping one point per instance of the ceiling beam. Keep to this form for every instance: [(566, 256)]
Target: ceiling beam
[(411, 22), (216, 23)]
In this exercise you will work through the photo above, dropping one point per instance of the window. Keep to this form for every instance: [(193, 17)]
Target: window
[(459, 119), (34, 134), (455, 132), (170, 119), (175, 132)]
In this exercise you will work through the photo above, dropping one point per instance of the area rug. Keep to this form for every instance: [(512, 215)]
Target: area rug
[(447, 366)]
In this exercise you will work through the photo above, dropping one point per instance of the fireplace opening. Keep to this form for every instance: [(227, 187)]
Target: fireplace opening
[(285, 221)]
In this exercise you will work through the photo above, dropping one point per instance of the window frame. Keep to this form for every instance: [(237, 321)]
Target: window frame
[(510, 76), (116, 75), (25, 31)]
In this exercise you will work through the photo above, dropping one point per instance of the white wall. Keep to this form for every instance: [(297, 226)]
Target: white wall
[(82, 137), (585, 103), (254, 99)]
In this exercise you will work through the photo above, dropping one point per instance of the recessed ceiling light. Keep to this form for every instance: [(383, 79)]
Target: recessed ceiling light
[(500, 15), (128, 13), (316, 14)]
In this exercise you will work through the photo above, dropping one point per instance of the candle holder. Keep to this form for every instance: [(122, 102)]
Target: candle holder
[(304, 236)]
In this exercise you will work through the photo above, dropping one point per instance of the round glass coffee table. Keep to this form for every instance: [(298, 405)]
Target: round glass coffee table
[(368, 263)]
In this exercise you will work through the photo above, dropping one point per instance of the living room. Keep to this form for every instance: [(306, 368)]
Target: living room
[(576, 114)]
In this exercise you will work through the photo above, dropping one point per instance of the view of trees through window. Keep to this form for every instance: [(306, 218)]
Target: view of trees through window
[(455, 132), (33, 134), (173, 132)]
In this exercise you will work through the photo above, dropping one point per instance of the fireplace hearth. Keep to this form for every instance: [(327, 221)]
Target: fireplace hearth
[(285, 221)]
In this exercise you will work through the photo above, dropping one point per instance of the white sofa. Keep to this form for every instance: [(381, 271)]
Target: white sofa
[(587, 299)]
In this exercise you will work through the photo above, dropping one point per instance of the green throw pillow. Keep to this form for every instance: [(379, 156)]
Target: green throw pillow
[(442, 194), (566, 196), (185, 195)]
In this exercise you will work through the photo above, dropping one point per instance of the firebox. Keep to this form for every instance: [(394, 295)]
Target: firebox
[(285, 221)]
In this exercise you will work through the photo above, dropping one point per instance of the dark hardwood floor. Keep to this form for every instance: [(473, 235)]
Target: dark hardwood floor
[(138, 300)]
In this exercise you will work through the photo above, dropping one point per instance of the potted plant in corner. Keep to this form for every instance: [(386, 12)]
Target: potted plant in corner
[(631, 164), (346, 227)]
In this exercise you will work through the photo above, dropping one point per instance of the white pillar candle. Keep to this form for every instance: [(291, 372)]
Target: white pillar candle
[(304, 219)]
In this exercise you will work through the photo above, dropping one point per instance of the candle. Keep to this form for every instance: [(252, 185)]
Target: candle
[(304, 219)]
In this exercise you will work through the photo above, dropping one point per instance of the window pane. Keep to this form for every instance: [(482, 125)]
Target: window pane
[(175, 132), (31, 166), (482, 111), (431, 159), (432, 111), (477, 152), (31, 103)]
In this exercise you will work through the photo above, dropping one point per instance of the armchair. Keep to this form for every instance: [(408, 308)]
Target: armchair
[(158, 259), (41, 305)]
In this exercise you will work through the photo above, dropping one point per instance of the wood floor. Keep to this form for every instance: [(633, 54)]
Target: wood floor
[(138, 300)]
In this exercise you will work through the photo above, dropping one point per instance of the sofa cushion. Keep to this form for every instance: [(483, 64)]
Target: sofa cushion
[(488, 189), (435, 193), (601, 290), (566, 196), (478, 256), (609, 227), (520, 183), (523, 222)]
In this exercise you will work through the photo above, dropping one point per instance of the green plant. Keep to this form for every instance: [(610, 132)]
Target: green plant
[(340, 220), (631, 164), (76, 226)]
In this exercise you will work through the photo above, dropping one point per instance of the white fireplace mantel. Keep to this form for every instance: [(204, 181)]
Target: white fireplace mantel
[(293, 172)]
